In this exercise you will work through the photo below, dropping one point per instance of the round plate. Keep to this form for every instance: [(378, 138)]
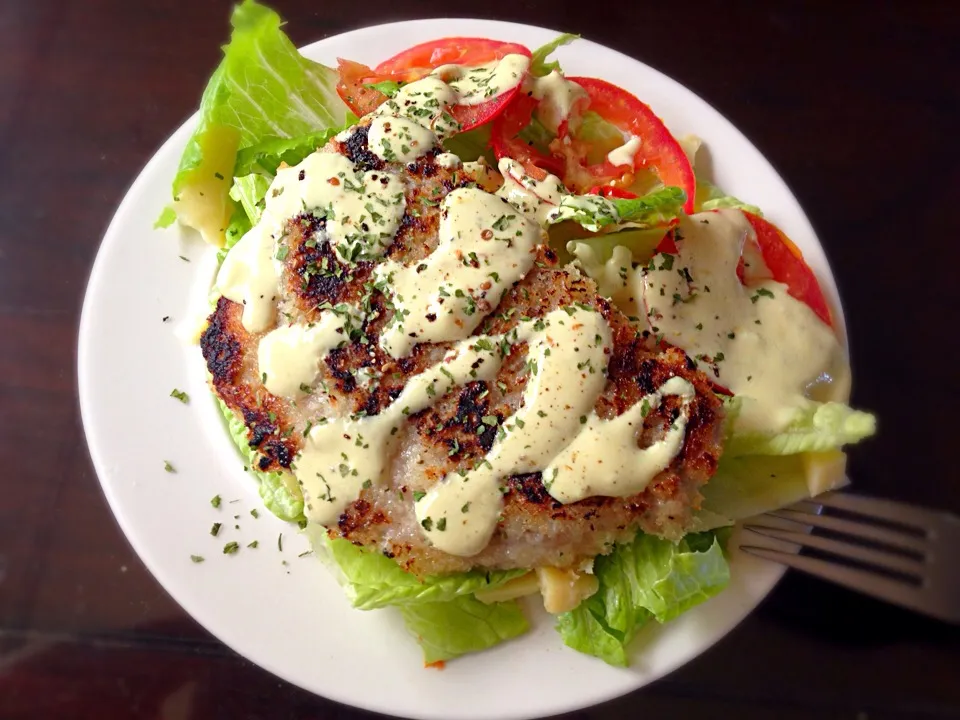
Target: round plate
[(287, 613)]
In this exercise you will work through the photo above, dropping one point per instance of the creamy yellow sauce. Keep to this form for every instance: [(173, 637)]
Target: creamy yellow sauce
[(418, 116), (538, 200), (485, 247), (362, 210), (342, 456), (770, 349), (398, 139), (289, 356), (478, 84), (249, 277), (624, 154), (567, 357), (605, 459), (557, 96)]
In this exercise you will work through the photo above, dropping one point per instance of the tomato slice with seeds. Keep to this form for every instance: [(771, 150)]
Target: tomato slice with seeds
[(506, 143), (419, 61), (657, 150)]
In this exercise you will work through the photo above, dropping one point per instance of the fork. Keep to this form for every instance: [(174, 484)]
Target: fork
[(906, 555)]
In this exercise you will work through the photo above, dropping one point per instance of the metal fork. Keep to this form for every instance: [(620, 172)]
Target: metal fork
[(903, 554)]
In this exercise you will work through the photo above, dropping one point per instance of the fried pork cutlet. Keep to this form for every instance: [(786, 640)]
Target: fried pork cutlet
[(534, 530)]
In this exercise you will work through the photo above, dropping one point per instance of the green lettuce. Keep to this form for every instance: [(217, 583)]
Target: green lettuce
[(710, 197), (748, 486), (537, 135), (238, 227), (168, 217), (262, 90), (472, 145), (538, 60), (463, 625), (372, 581), (818, 427), (279, 491), (250, 191), (265, 157), (640, 242), (648, 579), (594, 212)]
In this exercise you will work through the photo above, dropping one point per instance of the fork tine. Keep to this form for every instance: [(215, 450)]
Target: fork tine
[(862, 580), (894, 512), (888, 561), (854, 528)]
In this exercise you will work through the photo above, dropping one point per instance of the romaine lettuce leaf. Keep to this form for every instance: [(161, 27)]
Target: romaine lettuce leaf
[(649, 578), (463, 625), (168, 217), (279, 491), (372, 580), (263, 89), (238, 227), (710, 197), (538, 60), (594, 212), (250, 191), (818, 427), (265, 157), (472, 145)]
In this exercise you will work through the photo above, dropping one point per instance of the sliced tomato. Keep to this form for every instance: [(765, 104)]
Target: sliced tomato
[(506, 143), (352, 87), (413, 63), (786, 264), (784, 261), (658, 150), (417, 62)]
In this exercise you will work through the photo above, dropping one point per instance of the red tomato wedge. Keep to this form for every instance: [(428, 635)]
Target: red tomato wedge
[(417, 62), (783, 259), (786, 264), (659, 151)]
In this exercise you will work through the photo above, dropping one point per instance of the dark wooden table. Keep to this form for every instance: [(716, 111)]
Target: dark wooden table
[(855, 104)]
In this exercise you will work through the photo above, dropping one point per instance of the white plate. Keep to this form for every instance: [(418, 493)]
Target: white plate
[(293, 619)]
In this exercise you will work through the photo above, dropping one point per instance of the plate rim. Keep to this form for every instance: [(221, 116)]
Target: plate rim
[(86, 401)]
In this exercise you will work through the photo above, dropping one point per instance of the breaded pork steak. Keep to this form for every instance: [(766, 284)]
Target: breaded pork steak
[(535, 530)]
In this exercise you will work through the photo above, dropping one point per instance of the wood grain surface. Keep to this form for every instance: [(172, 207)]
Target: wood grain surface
[(855, 103)]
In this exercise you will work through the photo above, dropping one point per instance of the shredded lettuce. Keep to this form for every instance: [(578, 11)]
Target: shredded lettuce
[(374, 581), (648, 579), (262, 90), (279, 491), (594, 212), (538, 60), (463, 625), (818, 427)]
